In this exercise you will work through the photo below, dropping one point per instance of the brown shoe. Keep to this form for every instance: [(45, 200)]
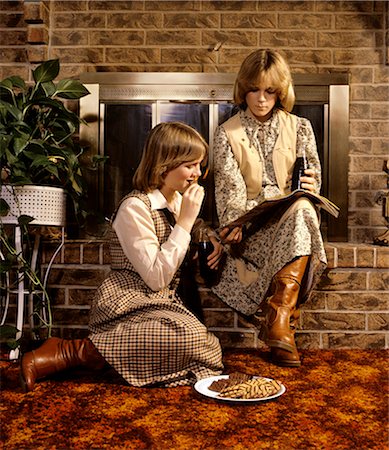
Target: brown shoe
[(282, 304), (56, 355), (286, 358)]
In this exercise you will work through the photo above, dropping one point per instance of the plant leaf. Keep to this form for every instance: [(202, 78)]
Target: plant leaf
[(13, 81), (97, 160), (71, 89), (4, 207), (13, 343), (46, 71), (6, 84), (17, 82), (49, 88), (52, 103), (13, 110), (19, 144), (4, 142), (20, 180), (39, 160), (24, 219), (7, 332)]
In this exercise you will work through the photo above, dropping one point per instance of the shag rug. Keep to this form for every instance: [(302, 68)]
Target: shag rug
[(335, 400)]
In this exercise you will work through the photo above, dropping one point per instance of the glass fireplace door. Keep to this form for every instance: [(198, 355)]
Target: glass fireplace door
[(126, 127), (123, 107), (125, 132)]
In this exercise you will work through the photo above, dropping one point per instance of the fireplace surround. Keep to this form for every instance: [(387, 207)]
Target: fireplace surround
[(123, 107)]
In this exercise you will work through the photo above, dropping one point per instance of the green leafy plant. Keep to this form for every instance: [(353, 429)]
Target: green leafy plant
[(39, 146), (37, 134)]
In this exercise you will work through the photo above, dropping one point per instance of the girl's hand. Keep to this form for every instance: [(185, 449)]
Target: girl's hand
[(192, 199), (308, 181), (233, 236), (215, 257)]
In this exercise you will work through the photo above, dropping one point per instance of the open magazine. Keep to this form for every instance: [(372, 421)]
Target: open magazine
[(278, 205)]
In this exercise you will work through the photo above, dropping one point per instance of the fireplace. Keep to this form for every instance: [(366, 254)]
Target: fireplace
[(123, 107)]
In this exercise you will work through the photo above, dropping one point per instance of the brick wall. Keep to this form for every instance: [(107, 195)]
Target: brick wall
[(215, 36), (348, 309), (351, 307)]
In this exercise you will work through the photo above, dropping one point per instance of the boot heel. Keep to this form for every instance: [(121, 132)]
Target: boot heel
[(280, 344), (285, 359), (263, 335), (23, 369)]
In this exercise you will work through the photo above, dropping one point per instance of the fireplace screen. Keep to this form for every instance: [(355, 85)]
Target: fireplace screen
[(123, 107)]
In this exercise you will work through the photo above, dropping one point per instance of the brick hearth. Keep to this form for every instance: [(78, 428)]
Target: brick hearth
[(348, 309)]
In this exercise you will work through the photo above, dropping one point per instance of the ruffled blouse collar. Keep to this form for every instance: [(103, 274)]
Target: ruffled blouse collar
[(272, 122), (254, 127)]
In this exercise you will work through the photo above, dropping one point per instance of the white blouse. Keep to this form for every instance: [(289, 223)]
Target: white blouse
[(137, 235)]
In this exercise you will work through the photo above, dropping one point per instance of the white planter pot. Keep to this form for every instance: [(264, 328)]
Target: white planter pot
[(46, 204)]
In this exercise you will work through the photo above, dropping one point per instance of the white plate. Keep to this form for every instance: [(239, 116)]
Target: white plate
[(202, 387)]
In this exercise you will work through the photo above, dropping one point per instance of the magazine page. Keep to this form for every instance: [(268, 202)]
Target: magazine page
[(267, 208)]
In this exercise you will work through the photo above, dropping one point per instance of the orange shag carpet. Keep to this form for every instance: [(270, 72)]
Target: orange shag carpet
[(336, 400)]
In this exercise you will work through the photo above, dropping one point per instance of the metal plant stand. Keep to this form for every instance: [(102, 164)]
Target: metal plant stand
[(47, 206), (25, 295)]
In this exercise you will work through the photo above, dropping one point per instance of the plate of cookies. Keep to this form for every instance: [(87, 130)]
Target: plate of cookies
[(240, 387)]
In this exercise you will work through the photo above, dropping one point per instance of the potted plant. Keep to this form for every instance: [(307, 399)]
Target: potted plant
[(38, 147)]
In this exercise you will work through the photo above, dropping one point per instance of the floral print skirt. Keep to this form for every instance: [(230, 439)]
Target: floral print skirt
[(249, 269)]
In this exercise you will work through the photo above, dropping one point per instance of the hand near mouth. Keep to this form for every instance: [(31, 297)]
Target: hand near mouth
[(192, 200)]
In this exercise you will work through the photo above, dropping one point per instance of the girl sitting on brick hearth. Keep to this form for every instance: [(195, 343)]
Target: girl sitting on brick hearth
[(139, 323), (254, 154)]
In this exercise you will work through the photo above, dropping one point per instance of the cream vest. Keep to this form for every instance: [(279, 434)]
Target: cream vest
[(284, 153)]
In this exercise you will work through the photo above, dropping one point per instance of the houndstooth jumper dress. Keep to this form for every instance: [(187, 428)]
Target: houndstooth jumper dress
[(150, 337)]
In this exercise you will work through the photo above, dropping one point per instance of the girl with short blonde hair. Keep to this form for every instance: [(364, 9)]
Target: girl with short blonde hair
[(274, 267), (265, 66)]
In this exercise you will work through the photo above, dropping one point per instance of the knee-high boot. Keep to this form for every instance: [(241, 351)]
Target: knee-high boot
[(281, 305), (56, 355), (283, 357)]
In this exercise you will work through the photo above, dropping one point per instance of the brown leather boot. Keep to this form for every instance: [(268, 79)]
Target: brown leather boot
[(286, 358), (281, 305), (56, 355)]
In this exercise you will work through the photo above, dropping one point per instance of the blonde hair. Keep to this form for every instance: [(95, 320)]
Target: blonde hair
[(168, 145), (265, 66)]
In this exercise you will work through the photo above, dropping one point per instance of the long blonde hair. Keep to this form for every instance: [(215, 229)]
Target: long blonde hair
[(168, 145), (267, 66)]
